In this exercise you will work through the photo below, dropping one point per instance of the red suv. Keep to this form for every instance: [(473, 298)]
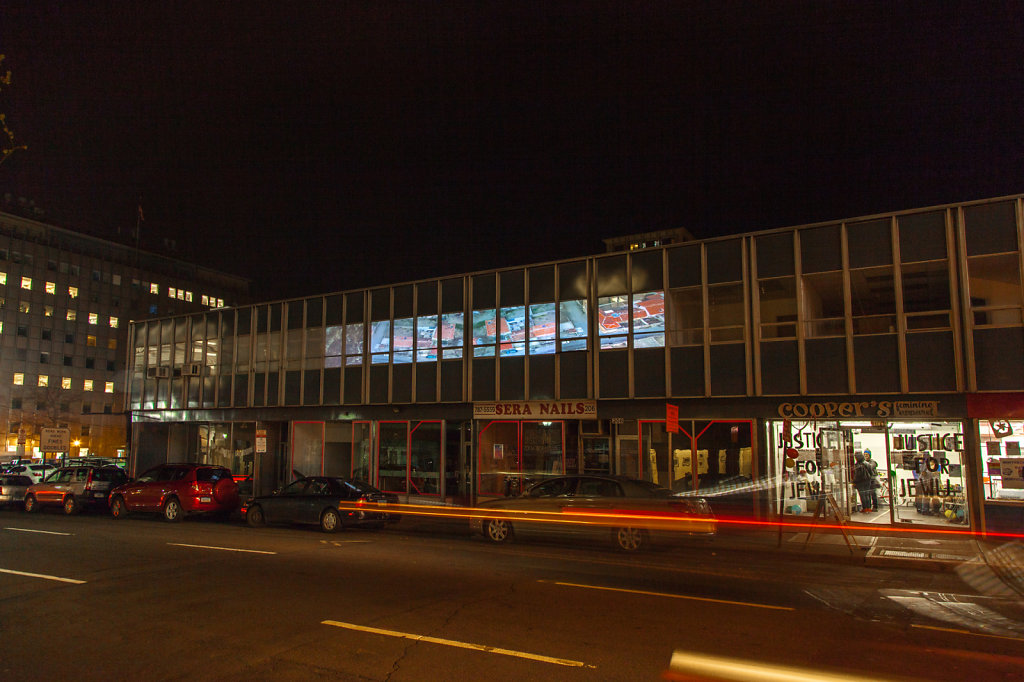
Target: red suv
[(176, 490)]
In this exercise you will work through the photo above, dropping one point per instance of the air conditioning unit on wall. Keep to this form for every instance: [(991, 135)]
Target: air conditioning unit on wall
[(158, 372), (194, 369)]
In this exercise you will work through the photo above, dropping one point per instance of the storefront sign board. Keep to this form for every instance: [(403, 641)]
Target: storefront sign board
[(1012, 471), (536, 409), (862, 408)]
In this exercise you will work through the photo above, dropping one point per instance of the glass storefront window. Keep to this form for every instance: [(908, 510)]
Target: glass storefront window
[(338, 449), (649, 320), (361, 451), (425, 459), (485, 332), (498, 459), (513, 330), (572, 325), (392, 456), (1002, 462), (307, 448), (613, 321), (919, 469), (451, 335), (403, 338), (426, 338), (543, 328)]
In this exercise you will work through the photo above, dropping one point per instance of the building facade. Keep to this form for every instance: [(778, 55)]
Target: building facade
[(66, 304), (750, 368)]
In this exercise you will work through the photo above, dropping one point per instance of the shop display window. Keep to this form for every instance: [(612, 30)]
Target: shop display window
[(307, 448), (1001, 459), (425, 459), (918, 468), (451, 335), (426, 338), (572, 325)]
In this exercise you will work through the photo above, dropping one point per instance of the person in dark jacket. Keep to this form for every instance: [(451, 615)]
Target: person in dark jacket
[(863, 481)]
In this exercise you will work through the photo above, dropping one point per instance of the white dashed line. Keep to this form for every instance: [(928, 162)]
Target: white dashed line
[(44, 577), (223, 549)]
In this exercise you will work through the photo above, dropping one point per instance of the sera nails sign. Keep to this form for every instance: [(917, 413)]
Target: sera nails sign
[(536, 409)]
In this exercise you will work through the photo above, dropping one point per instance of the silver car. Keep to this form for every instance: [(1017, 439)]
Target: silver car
[(75, 487), (12, 489)]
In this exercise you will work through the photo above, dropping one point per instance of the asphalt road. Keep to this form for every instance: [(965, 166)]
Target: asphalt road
[(90, 598)]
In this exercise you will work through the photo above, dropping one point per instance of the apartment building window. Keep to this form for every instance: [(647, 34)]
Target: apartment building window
[(204, 299), (44, 358), (15, 403), (171, 292), (87, 385), (181, 294), (86, 429), (115, 280), (19, 379), (90, 363), (3, 278), (24, 307), (96, 276), (51, 265), (65, 383), (108, 387), (43, 381), (69, 338), (72, 316), (73, 292), (22, 330), (67, 360), (26, 283), (112, 344), (46, 334), (108, 409), (65, 407), (111, 365), (154, 288), (188, 296), (113, 322), (90, 340), (86, 408), (51, 288), (40, 405), (94, 318), (47, 311)]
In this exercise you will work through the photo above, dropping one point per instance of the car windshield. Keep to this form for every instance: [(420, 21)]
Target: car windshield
[(361, 486)]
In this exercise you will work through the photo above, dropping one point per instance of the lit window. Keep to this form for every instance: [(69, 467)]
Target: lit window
[(154, 288), (108, 387), (19, 379), (72, 316), (1, 327), (23, 307), (3, 278), (220, 302), (113, 322), (93, 318), (48, 310), (112, 344), (205, 300), (87, 385), (51, 288), (181, 294), (116, 280), (73, 292), (26, 283), (90, 340), (65, 383), (188, 296), (171, 292), (43, 380)]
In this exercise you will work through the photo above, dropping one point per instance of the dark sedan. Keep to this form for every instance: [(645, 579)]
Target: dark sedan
[(330, 502)]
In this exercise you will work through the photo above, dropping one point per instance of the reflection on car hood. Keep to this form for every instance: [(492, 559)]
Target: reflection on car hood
[(730, 488)]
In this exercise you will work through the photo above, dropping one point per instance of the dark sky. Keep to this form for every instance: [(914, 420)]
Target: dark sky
[(319, 146)]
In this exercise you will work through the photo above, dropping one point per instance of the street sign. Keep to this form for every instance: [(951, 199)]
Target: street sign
[(55, 440), (261, 441), (21, 436)]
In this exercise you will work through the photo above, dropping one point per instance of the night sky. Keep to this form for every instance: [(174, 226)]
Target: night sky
[(316, 147)]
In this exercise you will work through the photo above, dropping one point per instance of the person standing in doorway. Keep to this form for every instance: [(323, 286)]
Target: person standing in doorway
[(863, 482), (876, 483)]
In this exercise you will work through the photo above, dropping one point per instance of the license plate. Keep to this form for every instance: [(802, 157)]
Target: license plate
[(204, 499)]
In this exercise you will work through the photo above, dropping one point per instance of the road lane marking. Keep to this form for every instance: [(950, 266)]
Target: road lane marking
[(673, 596), (957, 631), (461, 645), (43, 576), (223, 549), (31, 530)]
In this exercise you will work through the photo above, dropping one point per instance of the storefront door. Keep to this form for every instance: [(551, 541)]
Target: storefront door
[(515, 454)]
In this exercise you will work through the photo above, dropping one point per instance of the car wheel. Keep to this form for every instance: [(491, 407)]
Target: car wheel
[(31, 505), (117, 508), (172, 510), (497, 530), (254, 517), (70, 505), (330, 521), (630, 539)]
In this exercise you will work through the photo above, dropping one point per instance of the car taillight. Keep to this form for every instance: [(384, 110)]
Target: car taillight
[(88, 482)]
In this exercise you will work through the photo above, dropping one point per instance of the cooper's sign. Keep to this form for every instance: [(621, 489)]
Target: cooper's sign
[(536, 409), (864, 408)]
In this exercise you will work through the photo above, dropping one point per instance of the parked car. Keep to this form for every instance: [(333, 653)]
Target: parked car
[(176, 490), (36, 472), (74, 488), (323, 501), (12, 489), (730, 495), (630, 513)]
